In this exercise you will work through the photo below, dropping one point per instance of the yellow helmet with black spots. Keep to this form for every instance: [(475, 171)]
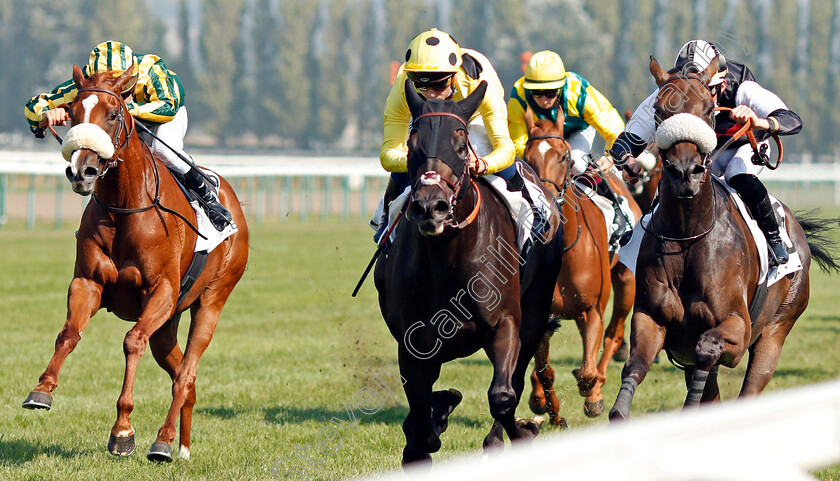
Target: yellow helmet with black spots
[(431, 57)]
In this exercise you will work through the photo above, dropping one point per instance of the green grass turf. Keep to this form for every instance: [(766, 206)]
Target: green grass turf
[(291, 352)]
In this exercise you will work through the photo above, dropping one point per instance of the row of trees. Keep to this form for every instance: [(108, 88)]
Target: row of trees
[(315, 74)]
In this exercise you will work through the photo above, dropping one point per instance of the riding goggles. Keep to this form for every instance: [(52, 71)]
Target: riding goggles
[(553, 93)]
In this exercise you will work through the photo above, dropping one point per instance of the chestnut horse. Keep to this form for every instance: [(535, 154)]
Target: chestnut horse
[(692, 299), (452, 284), (133, 246), (589, 271)]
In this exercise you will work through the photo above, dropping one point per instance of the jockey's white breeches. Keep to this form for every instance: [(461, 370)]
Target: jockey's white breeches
[(737, 160), (172, 133), (581, 144)]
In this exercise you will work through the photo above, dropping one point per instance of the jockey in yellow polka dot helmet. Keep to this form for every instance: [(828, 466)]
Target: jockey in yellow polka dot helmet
[(154, 96), (441, 69)]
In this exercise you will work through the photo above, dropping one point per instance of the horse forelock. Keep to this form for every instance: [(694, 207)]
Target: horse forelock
[(432, 140)]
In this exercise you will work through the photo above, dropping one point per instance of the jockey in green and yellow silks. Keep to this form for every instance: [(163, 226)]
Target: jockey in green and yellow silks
[(547, 87), (154, 96)]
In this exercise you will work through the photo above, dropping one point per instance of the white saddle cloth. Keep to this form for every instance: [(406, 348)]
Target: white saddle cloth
[(630, 252), (212, 236)]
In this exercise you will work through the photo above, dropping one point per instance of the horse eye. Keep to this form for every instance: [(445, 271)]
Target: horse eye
[(113, 116)]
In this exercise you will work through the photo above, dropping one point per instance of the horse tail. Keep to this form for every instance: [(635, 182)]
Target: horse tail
[(553, 325), (817, 231)]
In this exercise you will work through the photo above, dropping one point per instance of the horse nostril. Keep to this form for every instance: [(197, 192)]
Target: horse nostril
[(417, 209), (90, 172), (441, 207)]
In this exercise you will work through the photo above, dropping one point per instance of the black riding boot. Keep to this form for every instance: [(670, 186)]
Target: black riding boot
[(219, 216), (392, 191), (622, 223), (754, 194), (766, 219)]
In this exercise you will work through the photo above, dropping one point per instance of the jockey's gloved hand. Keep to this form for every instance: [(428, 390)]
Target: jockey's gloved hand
[(39, 132)]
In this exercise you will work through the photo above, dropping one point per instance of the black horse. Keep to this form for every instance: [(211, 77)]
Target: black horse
[(453, 281)]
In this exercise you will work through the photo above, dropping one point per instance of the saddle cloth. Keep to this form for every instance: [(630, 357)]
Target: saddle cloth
[(212, 237), (607, 209), (518, 207), (630, 252)]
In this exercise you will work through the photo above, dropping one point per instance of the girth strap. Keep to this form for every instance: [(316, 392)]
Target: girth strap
[(195, 269)]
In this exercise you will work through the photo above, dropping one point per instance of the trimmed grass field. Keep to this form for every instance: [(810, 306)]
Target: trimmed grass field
[(292, 363)]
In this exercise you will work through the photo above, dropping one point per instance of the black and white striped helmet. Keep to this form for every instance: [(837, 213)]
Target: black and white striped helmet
[(696, 55)]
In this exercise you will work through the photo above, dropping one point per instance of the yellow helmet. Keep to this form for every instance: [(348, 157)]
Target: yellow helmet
[(114, 57), (545, 71), (432, 56)]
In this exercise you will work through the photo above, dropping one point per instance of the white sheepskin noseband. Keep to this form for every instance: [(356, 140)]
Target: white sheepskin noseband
[(87, 136), (686, 127)]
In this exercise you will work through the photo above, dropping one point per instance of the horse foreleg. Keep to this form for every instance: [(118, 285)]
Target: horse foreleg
[(591, 326), (646, 340), (167, 353), (159, 308), (420, 436), (205, 317), (624, 291), (83, 300), (727, 340), (503, 350), (543, 398)]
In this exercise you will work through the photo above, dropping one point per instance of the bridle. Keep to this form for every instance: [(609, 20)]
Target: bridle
[(434, 178), (706, 163), (560, 198), (126, 127)]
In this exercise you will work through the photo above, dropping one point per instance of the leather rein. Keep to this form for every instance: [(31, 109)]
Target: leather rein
[(126, 127), (433, 178)]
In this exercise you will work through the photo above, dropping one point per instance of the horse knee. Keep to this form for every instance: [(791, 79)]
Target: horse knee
[(135, 343), (67, 339), (502, 402), (708, 350)]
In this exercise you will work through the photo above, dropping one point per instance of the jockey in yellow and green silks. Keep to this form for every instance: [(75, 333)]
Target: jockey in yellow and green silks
[(155, 96), (547, 86)]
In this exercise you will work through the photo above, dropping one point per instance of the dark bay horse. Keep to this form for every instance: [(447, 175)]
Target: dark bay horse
[(589, 272), (131, 254), (698, 268), (450, 284)]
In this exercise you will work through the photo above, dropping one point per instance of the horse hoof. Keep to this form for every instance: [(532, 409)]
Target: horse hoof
[(160, 452), (121, 446), (443, 403), (529, 428), (623, 352), (537, 404), (560, 422), (415, 459), (38, 400), (617, 416), (593, 409)]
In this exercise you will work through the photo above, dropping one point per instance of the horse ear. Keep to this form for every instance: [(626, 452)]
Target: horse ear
[(712, 69), (78, 76), (414, 100), (529, 119), (470, 104), (659, 75), (124, 78), (561, 119)]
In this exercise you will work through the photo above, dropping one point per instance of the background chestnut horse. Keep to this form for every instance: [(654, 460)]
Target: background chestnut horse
[(131, 253), (589, 272), (452, 284), (692, 299)]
